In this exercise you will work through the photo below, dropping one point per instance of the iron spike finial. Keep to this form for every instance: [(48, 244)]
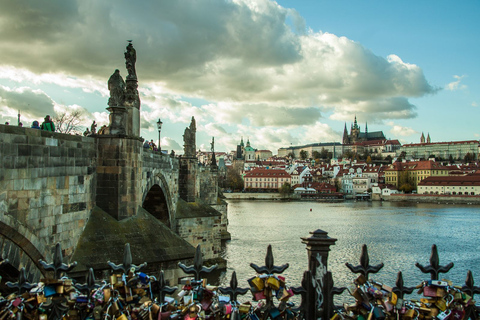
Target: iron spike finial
[(233, 291), (400, 290), (364, 268), (302, 291), (469, 287), (57, 265), (269, 267), (197, 268), (127, 265), (434, 268), (22, 284), (161, 287), (89, 284)]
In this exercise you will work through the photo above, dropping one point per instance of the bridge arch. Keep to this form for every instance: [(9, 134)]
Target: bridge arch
[(20, 252), (157, 200)]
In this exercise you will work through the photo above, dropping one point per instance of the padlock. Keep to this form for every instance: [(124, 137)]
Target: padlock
[(273, 283), (122, 317), (444, 315), (378, 313), (441, 304), (97, 312), (410, 314), (258, 283), (42, 317)]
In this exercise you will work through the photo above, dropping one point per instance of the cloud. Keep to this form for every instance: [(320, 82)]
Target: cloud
[(400, 131), (474, 104), (170, 144), (34, 104), (253, 56), (456, 85)]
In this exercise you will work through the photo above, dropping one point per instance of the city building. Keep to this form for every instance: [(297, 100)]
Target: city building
[(451, 185), (443, 150), (263, 155), (266, 179), (413, 172), (334, 149)]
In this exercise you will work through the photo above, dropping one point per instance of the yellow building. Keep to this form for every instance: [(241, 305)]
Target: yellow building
[(413, 172)]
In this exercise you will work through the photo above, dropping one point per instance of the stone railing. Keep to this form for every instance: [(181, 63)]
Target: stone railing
[(132, 294)]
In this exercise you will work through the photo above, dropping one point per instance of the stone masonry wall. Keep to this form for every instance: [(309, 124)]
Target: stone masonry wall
[(207, 186), (203, 231), (119, 173), (47, 186)]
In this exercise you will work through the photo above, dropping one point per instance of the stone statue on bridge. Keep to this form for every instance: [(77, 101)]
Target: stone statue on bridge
[(130, 59), (116, 85), (189, 144)]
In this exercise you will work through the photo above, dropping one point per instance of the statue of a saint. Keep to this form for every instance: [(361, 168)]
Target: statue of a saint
[(130, 59), (189, 139), (116, 85)]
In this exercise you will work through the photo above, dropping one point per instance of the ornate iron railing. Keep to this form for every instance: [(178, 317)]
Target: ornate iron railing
[(131, 294)]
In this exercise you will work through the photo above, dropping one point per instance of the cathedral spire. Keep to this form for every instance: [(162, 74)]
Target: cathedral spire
[(428, 138), (366, 127), (422, 138), (355, 123)]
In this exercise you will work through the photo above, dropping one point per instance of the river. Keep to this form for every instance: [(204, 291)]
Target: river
[(397, 234)]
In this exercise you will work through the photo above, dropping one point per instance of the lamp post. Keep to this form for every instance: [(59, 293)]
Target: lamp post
[(159, 127)]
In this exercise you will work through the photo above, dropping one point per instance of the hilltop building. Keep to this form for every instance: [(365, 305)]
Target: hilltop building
[(357, 136), (425, 149)]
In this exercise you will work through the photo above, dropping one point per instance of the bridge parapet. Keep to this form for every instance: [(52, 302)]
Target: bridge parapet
[(47, 184)]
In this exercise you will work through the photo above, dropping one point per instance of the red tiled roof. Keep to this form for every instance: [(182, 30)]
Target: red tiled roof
[(260, 172)]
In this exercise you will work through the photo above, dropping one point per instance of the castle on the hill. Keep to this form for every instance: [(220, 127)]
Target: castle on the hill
[(357, 136)]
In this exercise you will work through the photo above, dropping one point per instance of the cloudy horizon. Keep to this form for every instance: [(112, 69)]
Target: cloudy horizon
[(241, 68)]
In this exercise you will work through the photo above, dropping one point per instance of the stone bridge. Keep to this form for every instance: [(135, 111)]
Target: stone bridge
[(94, 194), (51, 184)]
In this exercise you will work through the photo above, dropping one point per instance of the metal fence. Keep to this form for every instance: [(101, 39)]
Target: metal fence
[(131, 294)]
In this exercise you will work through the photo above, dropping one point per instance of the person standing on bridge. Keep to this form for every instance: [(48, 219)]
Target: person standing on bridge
[(48, 124)]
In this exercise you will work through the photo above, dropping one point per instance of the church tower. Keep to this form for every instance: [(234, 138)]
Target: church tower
[(345, 139), (422, 138), (428, 138), (355, 132)]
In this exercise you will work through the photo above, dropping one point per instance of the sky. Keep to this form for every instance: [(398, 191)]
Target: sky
[(283, 73)]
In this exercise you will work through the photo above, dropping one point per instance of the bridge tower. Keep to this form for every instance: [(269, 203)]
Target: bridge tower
[(119, 148)]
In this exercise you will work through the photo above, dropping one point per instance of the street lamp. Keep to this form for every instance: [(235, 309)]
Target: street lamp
[(159, 127)]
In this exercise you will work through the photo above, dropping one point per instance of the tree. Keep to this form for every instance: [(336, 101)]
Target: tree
[(388, 158), (316, 155), (234, 181), (291, 155), (348, 154), (285, 189), (369, 159), (450, 159), (68, 121), (468, 158), (324, 153), (303, 154)]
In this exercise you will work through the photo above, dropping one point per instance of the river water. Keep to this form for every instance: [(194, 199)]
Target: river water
[(397, 234)]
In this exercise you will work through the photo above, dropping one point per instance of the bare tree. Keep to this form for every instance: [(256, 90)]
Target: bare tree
[(68, 121)]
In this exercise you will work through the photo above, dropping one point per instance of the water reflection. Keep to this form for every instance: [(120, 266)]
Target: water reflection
[(397, 234)]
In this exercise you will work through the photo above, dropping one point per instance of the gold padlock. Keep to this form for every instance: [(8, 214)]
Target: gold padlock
[(122, 317)]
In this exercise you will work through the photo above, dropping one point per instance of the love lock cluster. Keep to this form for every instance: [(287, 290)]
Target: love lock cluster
[(130, 294), (373, 300)]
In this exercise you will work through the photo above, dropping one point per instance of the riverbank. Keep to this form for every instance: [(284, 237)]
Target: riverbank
[(433, 198), (256, 196)]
